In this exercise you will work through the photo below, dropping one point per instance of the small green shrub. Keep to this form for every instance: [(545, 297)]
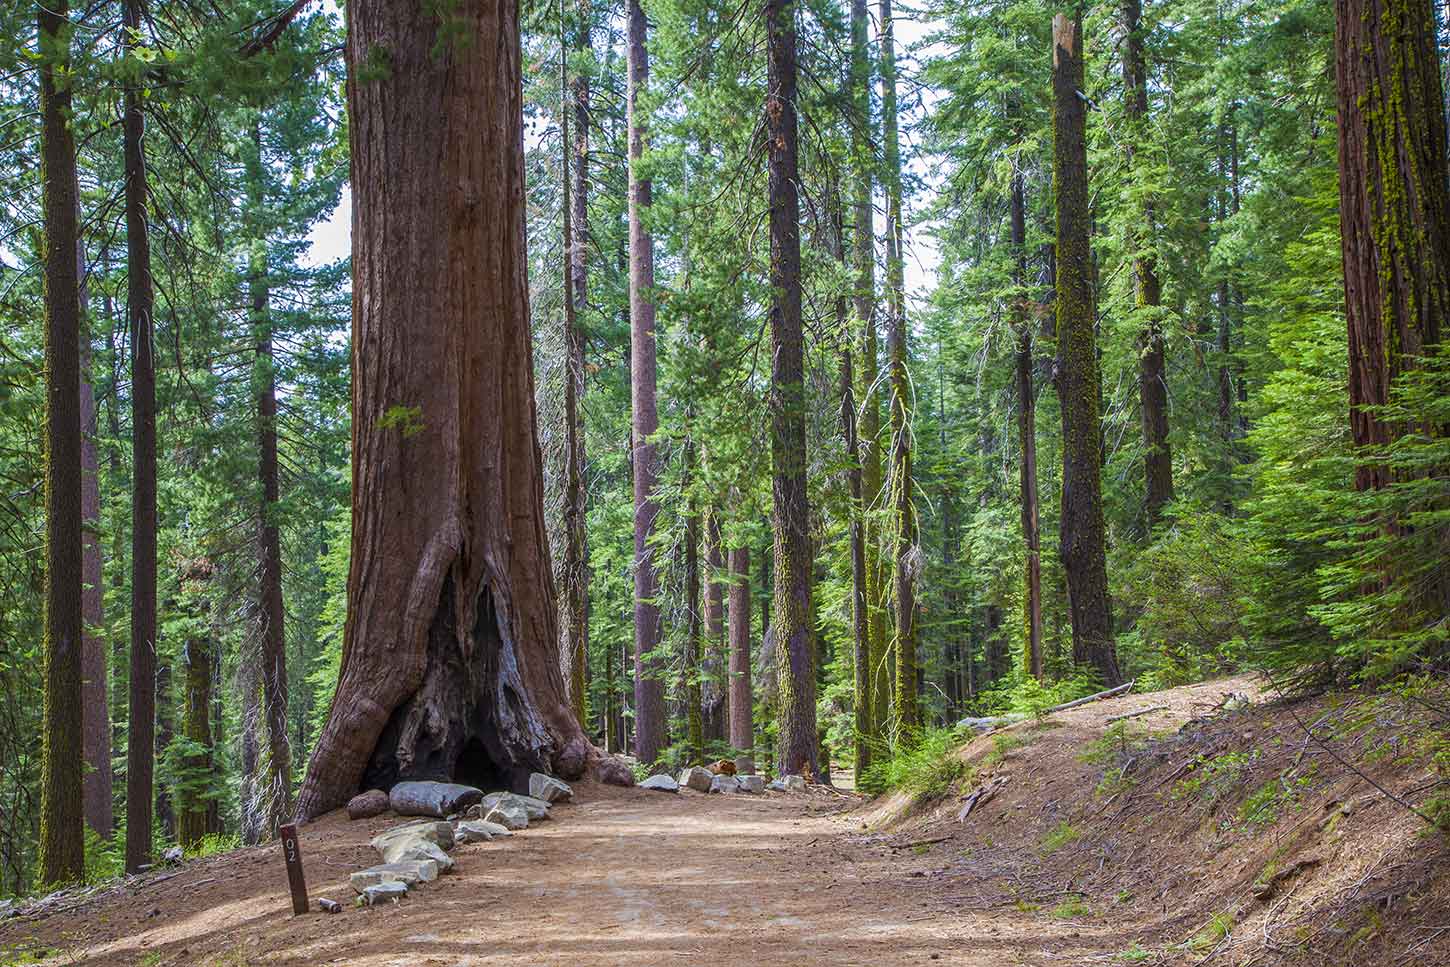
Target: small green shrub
[(927, 770), (1059, 836), (1072, 908)]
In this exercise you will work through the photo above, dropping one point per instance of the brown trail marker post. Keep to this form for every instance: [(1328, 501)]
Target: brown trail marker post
[(292, 853)]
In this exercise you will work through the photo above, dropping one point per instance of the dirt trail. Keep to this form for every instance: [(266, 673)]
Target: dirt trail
[(632, 878)]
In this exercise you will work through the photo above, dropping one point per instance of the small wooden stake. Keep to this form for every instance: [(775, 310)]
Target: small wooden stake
[(295, 879)]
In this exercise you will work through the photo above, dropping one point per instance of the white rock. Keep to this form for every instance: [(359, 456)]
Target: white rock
[(697, 778), (794, 783), (660, 784), (383, 892), (427, 840), (751, 784), (549, 789), (724, 784), (508, 815), (536, 809), (407, 873)]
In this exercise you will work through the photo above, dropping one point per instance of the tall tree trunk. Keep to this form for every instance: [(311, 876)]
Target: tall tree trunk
[(649, 691), (450, 663), (716, 663), (904, 539), (194, 804), (1152, 371), (860, 623), (165, 733), (797, 751), (1227, 298), (95, 700), (1393, 205), (694, 721), (573, 615), (1083, 533), (742, 729), (1027, 436), (870, 686), (141, 733), (61, 838), (274, 798), (870, 426)]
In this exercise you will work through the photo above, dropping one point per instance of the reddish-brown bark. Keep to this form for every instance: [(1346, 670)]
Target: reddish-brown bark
[(450, 662), (742, 729), (650, 736), (1394, 207)]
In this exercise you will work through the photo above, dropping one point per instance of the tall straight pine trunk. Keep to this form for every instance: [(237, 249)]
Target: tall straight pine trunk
[(741, 699), (1083, 532), (61, 856), (795, 635), (1026, 437), (574, 611), (649, 690), (450, 666), (1148, 290), (141, 733), (904, 552), (866, 457)]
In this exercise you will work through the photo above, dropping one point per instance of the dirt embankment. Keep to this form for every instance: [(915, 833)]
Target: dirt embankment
[(1188, 835)]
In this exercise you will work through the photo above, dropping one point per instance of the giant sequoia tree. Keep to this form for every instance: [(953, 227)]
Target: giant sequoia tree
[(1394, 208), (450, 665)]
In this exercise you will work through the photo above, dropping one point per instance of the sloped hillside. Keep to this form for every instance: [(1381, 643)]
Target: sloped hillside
[(1225, 824)]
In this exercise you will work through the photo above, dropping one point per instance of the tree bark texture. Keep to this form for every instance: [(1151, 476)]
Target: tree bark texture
[(450, 665), (273, 798), (649, 691), (1148, 290), (1083, 532), (141, 733), (742, 729), (1393, 203), (866, 458), (61, 858), (694, 711), (1027, 438), (905, 553), (95, 698), (795, 665), (194, 807), (716, 663), (574, 610)]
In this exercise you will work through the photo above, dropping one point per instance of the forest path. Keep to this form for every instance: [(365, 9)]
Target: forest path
[(627, 877)]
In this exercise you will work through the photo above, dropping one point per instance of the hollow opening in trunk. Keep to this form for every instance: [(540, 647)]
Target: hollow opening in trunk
[(449, 730)]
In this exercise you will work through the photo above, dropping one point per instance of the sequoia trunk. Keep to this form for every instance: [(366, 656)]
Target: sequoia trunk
[(1393, 204), (450, 665), (742, 729)]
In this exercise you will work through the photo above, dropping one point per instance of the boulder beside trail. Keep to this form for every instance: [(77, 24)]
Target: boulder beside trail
[(744, 765), (368, 804), (660, 784), (440, 799), (381, 893), (536, 809), (788, 784), (416, 841), (751, 784), (697, 778), (510, 816), (613, 770), (725, 784), (549, 789), (407, 873)]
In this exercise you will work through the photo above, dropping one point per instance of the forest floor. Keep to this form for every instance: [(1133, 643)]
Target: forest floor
[(1091, 850)]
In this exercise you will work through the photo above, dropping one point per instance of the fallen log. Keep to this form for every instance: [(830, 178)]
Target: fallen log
[(1132, 715)]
